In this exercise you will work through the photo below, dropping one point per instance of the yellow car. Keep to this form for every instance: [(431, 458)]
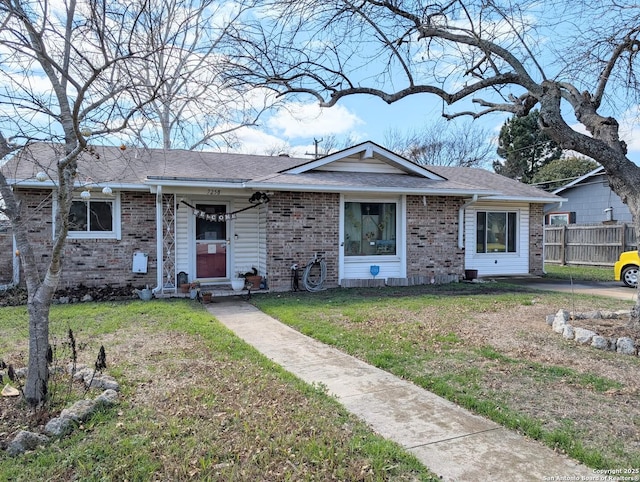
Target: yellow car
[(626, 268)]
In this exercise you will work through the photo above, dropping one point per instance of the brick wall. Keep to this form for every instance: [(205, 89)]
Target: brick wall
[(432, 236), (97, 262), (6, 253), (298, 226), (536, 238)]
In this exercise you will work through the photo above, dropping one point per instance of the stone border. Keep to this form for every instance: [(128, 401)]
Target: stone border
[(70, 417), (560, 324)]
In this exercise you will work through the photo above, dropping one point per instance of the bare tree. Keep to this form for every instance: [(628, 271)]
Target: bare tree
[(438, 144), (503, 57), (70, 70), (194, 108)]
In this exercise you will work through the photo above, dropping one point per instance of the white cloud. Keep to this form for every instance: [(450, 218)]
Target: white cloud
[(298, 120)]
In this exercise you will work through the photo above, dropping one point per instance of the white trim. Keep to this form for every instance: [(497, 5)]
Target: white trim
[(397, 260), (115, 233), (461, 213), (367, 150), (160, 244), (597, 171), (370, 190)]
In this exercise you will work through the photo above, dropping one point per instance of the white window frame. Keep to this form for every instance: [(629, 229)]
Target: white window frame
[(552, 216), (517, 233), (397, 222), (116, 231)]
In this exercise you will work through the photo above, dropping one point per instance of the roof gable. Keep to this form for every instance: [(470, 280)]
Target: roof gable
[(598, 170), (367, 157)]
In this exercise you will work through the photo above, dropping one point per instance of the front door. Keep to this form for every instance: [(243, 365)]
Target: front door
[(211, 243)]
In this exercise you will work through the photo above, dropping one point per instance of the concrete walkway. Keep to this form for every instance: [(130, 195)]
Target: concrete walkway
[(452, 442)]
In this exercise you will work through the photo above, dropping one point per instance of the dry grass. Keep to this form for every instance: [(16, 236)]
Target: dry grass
[(490, 350), (199, 404)]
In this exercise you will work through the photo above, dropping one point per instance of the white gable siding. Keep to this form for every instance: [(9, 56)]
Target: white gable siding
[(495, 264), (361, 165)]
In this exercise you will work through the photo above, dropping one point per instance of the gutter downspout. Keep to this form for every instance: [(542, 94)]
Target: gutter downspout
[(461, 220), (159, 241), (15, 276)]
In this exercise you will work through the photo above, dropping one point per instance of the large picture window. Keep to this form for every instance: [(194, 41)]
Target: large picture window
[(496, 232), (370, 228)]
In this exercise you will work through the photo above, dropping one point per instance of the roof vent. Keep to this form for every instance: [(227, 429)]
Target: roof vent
[(283, 154)]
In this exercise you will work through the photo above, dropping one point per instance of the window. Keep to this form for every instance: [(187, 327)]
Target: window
[(496, 232), (370, 228), (561, 219), (95, 218)]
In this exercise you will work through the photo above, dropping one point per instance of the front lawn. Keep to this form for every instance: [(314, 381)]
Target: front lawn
[(578, 273), (197, 403), (488, 348)]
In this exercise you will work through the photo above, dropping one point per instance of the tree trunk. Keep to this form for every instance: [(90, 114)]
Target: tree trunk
[(35, 390)]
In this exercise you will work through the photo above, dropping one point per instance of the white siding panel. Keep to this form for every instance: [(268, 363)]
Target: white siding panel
[(495, 264), (182, 239), (360, 269), (358, 165), (246, 240)]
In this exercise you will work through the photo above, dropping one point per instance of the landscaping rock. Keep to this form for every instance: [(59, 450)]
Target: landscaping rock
[(59, 426), (613, 344), (593, 315), (79, 410), (568, 333), (560, 320), (625, 346), (550, 319), (107, 398), (104, 382), (584, 336), (24, 441), (600, 342)]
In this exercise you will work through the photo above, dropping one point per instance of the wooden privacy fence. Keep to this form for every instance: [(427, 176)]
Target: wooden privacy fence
[(598, 245)]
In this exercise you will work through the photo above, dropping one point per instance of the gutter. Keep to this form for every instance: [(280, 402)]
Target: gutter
[(15, 279), (461, 220)]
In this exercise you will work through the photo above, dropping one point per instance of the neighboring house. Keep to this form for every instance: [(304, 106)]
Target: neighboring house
[(589, 200), (154, 214)]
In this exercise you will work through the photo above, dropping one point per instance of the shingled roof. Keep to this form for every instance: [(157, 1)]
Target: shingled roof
[(140, 168)]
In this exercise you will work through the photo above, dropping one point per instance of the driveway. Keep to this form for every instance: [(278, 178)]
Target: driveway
[(612, 289)]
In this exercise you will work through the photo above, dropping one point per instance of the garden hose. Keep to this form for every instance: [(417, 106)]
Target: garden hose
[(311, 279)]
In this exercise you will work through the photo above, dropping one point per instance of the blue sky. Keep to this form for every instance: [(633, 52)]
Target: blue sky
[(366, 118)]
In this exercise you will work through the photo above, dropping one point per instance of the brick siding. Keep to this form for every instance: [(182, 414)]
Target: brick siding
[(98, 262), (536, 239), (432, 236), (299, 225)]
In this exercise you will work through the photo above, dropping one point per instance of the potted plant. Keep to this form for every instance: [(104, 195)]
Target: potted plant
[(253, 278), (237, 284), (207, 296), (194, 290)]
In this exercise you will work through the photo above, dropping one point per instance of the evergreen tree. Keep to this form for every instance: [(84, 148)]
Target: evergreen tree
[(557, 173), (524, 148)]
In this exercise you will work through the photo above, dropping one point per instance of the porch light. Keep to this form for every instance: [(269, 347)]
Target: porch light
[(85, 195), (41, 176), (107, 191)]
